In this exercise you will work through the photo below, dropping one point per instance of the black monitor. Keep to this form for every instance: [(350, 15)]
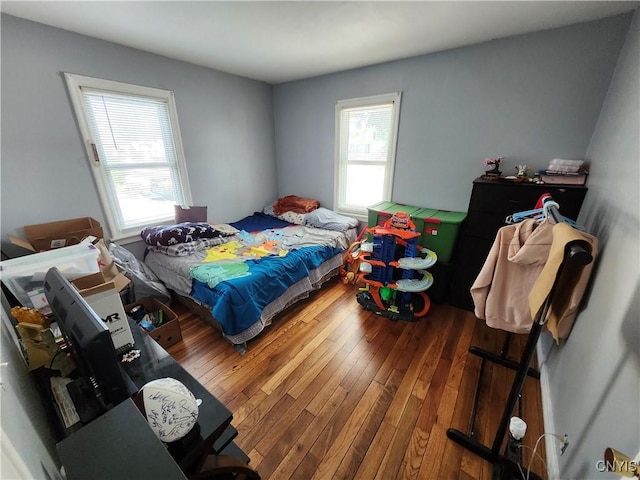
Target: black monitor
[(101, 379)]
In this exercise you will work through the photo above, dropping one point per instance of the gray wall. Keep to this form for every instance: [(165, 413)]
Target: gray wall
[(226, 123), (594, 379), (529, 98)]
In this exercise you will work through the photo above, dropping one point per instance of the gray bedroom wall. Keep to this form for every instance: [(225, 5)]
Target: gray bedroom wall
[(594, 378), (226, 124), (529, 98)]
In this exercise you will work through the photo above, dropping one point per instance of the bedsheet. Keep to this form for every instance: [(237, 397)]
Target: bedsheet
[(238, 302), (252, 272)]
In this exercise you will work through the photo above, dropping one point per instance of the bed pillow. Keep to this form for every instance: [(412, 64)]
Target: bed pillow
[(268, 209), (293, 217), (330, 220), (185, 213), (225, 228), (165, 235)]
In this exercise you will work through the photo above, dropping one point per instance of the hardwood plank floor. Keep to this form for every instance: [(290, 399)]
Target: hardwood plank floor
[(330, 390)]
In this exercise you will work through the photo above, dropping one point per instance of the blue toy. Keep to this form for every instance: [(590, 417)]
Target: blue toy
[(401, 298)]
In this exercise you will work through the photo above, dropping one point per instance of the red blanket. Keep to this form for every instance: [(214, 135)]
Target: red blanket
[(293, 203)]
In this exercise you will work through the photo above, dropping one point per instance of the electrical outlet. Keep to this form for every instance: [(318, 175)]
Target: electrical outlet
[(564, 443)]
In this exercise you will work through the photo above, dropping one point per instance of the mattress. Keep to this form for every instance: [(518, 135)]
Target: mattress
[(253, 276)]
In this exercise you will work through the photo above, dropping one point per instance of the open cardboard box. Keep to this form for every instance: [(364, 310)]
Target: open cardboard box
[(108, 273), (47, 236), (167, 334), (95, 280)]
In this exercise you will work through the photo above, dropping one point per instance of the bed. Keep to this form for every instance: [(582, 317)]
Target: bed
[(239, 276)]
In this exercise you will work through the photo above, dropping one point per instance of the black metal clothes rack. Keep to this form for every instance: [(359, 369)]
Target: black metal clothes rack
[(504, 468)]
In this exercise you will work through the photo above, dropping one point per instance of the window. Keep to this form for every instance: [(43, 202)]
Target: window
[(133, 143), (366, 132)]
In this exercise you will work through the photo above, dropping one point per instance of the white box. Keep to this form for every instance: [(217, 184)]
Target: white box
[(24, 276), (105, 300)]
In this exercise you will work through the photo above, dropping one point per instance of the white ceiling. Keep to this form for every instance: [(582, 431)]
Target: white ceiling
[(289, 40)]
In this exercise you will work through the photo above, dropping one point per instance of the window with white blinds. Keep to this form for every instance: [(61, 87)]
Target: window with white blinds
[(133, 142), (366, 132)]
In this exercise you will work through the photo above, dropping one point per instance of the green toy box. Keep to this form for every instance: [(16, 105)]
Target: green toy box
[(439, 230), (381, 212)]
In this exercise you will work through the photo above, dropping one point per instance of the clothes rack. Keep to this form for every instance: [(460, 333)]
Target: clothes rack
[(503, 467)]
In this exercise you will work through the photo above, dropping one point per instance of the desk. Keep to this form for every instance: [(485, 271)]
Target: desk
[(213, 417), (115, 446), (83, 450)]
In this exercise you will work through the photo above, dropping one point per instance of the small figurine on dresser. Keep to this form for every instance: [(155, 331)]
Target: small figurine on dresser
[(493, 163), (522, 170)]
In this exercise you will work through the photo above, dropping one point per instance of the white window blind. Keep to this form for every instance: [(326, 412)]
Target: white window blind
[(134, 147), (366, 143)]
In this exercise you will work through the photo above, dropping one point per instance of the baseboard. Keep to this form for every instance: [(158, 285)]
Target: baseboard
[(551, 450)]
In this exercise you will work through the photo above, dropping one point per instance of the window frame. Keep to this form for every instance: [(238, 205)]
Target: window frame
[(341, 165), (75, 83)]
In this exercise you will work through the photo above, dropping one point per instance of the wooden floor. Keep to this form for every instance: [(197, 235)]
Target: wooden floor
[(332, 391)]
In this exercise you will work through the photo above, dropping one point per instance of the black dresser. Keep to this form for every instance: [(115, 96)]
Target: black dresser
[(490, 204)]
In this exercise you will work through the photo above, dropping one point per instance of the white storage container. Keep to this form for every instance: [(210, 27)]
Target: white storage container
[(24, 276), (559, 165)]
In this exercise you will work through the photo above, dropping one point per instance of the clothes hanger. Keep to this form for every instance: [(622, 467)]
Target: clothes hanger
[(541, 213), (536, 213)]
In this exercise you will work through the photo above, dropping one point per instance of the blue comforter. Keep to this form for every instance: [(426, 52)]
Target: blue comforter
[(238, 302)]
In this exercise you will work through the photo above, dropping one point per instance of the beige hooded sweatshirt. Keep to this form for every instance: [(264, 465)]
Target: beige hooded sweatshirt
[(516, 259), (501, 290)]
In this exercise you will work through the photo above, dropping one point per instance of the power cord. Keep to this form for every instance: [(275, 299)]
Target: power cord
[(534, 453), (55, 356), (564, 443)]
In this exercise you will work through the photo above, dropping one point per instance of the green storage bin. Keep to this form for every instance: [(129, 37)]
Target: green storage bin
[(374, 212), (398, 207), (381, 212), (419, 217), (439, 230)]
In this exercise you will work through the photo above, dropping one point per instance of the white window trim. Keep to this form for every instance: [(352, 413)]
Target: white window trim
[(340, 168), (74, 82)]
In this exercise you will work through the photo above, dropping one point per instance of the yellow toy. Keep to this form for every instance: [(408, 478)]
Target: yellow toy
[(29, 315)]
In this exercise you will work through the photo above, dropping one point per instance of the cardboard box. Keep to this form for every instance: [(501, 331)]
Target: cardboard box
[(119, 280), (104, 299), (47, 236), (108, 272), (167, 334)]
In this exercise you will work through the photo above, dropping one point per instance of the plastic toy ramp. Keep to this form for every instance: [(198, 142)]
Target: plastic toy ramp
[(418, 263), (415, 284)]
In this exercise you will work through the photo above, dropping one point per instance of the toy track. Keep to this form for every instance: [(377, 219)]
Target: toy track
[(405, 298)]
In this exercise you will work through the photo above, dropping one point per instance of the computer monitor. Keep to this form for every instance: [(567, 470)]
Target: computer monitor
[(90, 342)]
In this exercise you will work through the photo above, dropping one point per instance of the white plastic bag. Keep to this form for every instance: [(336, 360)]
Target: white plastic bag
[(144, 282)]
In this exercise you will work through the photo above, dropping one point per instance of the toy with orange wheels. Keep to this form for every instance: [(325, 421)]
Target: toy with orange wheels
[(395, 298)]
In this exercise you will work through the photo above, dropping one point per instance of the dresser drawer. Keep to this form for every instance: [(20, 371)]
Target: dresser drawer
[(491, 202), (505, 198), (484, 224), (471, 255)]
